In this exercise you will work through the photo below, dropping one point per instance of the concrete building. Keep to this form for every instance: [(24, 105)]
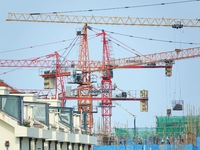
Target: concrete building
[(29, 123)]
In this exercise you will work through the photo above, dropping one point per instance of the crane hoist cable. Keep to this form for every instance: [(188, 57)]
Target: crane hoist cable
[(126, 47), (69, 48), (132, 50), (147, 38)]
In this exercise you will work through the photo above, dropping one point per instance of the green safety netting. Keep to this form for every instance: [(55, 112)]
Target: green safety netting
[(131, 132), (166, 126), (177, 125)]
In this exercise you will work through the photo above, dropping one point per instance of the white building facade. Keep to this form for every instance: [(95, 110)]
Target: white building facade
[(28, 123)]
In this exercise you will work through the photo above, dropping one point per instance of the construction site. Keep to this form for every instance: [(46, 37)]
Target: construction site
[(180, 132), (84, 92)]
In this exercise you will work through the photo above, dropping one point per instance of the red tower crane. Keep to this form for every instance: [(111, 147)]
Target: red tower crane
[(84, 104), (85, 66), (85, 101), (106, 84)]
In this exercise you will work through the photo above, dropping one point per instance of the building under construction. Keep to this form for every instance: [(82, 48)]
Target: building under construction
[(170, 133)]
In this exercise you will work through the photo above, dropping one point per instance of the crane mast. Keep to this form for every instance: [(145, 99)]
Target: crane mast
[(106, 85), (85, 105)]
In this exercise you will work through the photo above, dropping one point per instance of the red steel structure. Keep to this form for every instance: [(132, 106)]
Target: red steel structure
[(84, 104), (129, 62), (106, 84), (106, 65)]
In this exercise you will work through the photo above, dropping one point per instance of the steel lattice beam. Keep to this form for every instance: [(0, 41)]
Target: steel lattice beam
[(106, 20)]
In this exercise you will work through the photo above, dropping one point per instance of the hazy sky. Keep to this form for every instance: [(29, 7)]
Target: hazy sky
[(184, 84)]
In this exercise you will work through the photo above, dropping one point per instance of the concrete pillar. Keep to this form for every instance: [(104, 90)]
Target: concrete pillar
[(58, 146), (68, 144), (86, 147), (79, 147), (72, 146), (76, 146), (55, 146), (20, 143), (49, 145), (46, 145), (33, 144), (61, 145), (83, 146)]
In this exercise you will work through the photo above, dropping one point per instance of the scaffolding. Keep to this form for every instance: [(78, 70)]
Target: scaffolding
[(169, 130), (185, 129)]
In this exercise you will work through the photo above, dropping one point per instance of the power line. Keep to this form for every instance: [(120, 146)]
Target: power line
[(39, 45), (34, 46), (117, 8)]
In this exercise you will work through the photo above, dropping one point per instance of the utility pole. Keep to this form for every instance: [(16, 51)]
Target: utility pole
[(135, 126)]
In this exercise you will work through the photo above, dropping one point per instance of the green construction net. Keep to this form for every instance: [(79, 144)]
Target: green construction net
[(131, 132), (177, 125), (166, 127)]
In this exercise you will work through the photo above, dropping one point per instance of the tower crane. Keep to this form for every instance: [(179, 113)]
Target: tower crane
[(143, 61), (84, 79), (106, 20), (107, 65)]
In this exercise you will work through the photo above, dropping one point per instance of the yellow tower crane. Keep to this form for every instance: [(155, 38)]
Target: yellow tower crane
[(109, 20)]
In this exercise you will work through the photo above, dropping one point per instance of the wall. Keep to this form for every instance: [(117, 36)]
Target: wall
[(7, 134)]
